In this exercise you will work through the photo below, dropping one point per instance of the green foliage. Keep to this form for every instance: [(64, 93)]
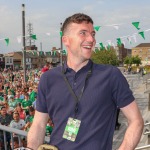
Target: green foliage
[(105, 57), (132, 60)]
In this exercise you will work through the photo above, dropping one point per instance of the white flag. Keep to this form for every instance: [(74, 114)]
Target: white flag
[(19, 39), (116, 27), (48, 34), (134, 37)]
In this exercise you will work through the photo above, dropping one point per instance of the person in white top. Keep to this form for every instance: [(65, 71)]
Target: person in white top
[(17, 123)]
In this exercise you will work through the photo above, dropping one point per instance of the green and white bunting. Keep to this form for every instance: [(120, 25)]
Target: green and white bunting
[(136, 24)]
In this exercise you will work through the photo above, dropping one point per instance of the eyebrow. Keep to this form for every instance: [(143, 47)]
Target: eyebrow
[(87, 31)]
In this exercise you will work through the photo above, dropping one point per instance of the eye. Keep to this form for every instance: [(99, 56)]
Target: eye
[(83, 33), (93, 34)]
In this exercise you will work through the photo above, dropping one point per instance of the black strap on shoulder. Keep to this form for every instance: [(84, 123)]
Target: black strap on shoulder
[(77, 99)]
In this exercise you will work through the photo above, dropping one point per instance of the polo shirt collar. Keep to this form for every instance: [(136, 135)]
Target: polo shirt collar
[(86, 67)]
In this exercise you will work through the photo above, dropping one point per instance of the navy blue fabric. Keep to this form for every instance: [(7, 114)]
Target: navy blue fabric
[(106, 90)]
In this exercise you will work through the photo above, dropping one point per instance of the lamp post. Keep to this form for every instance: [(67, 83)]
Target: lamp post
[(61, 46), (23, 41)]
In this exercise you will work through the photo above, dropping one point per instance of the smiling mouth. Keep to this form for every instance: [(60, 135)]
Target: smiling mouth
[(87, 47)]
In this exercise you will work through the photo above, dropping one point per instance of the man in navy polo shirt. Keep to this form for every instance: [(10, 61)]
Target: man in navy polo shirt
[(82, 98)]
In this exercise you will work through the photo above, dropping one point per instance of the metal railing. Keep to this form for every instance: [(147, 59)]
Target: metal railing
[(18, 132), (24, 133), (147, 132), (143, 147)]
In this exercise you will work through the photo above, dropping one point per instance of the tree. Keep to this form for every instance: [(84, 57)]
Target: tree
[(105, 57), (127, 60), (137, 60), (132, 60)]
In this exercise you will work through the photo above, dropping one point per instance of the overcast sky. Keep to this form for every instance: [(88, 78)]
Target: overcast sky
[(46, 16)]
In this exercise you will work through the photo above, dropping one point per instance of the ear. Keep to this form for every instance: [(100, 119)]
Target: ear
[(65, 40)]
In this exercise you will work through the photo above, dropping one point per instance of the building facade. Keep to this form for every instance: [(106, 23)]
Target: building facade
[(2, 61), (143, 51)]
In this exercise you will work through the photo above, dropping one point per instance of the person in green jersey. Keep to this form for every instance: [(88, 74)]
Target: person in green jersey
[(29, 118), (26, 103)]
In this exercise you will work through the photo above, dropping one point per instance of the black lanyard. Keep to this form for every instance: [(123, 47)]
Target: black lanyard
[(77, 99)]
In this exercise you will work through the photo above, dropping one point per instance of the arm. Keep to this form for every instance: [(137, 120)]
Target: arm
[(135, 127), (36, 133)]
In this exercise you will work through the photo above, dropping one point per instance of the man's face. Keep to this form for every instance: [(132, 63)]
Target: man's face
[(80, 40), (32, 113), (16, 117), (3, 111)]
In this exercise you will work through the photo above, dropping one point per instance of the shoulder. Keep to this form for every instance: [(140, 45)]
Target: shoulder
[(50, 75), (8, 116), (52, 71), (12, 122), (105, 68), (21, 121)]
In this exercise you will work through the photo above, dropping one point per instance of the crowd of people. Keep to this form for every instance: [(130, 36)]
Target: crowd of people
[(18, 102)]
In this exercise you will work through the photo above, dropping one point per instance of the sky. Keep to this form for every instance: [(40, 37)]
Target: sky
[(114, 17)]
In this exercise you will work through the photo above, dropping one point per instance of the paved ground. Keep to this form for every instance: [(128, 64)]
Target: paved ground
[(138, 88)]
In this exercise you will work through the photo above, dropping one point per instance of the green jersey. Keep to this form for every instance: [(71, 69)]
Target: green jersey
[(48, 130)]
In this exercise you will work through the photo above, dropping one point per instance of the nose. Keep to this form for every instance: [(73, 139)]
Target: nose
[(90, 38)]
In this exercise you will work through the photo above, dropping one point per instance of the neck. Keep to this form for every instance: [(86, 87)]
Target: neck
[(76, 65)]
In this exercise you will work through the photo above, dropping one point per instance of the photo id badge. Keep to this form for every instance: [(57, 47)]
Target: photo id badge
[(71, 129)]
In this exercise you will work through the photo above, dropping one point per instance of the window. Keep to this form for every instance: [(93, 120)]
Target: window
[(7, 60), (10, 60)]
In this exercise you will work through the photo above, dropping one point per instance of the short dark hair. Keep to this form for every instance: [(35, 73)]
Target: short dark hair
[(76, 18), (15, 113), (3, 107), (31, 109)]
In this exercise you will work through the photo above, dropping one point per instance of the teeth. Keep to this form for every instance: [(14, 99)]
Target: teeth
[(87, 46)]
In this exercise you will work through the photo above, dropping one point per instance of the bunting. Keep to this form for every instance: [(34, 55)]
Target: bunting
[(33, 36), (19, 39), (7, 41), (97, 28), (129, 40), (119, 42), (142, 34), (101, 46), (64, 52), (136, 24), (41, 53), (61, 34)]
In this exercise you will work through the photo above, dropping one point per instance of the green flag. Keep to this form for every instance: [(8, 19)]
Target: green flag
[(142, 34), (108, 47), (33, 36), (97, 28), (101, 46), (35, 53), (64, 52), (136, 24), (41, 53), (61, 34), (54, 53), (48, 53), (7, 41), (119, 41)]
